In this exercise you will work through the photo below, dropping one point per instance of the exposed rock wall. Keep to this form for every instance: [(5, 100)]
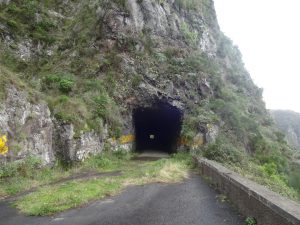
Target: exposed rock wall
[(28, 125), (32, 131), (162, 21), (69, 148)]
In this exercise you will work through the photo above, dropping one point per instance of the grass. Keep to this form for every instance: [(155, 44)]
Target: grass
[(20, 176), (52, 199), (55, 198), (17, 181), (273, 181)]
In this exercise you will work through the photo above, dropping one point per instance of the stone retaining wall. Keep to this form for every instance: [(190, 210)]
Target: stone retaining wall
[(251, 199)]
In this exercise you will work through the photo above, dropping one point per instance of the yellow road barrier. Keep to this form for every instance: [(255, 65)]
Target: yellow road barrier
[(196, 142)]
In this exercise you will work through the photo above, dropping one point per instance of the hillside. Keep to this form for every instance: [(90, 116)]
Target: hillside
[(289, 123), (72, 72)]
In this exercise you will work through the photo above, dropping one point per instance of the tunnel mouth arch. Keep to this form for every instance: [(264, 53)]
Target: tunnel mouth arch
[(157, 127)]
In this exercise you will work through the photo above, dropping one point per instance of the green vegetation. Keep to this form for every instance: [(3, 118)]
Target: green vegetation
[(50, 200), (191, 37), (222, 150), (19, 176), (82, 102), (272, 179), (87, 73), (288, 123), (58, 197), (250, 221), (22, 175), (294, 177), (61, 81), (190, 4), (20, 16)]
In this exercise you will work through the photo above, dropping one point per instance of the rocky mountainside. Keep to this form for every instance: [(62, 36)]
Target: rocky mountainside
[(72, 71), (289, 123)]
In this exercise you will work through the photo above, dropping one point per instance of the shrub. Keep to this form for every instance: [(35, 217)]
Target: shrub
[(121, 153), (189, 4), (200, 62), (62, 81), (269, 168), (105, 108), (136, 80), (13, 24), (223, 151), (101, 105), (93, 84), (26, 167), (63, 99), (191, 37), (294, 178), (66, 85), (250, 221), (51, 79), (21, 17), (269, 153), (160, 57), (99, 161)]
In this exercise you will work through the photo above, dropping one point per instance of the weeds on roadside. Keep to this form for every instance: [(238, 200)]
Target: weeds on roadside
[(250, 221), (55, 198)]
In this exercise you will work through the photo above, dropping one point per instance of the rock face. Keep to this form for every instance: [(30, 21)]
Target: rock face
[(289, 123), (69, 148), (32, 131), (166, 22), (29, 126)]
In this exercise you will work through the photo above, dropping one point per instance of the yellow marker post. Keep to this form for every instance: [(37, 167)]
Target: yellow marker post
[(3, 145)]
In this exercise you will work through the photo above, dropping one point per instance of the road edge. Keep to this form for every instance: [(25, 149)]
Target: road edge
[(251, 199)]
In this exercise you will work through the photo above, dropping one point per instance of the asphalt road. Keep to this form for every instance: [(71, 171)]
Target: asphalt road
[(189, 203)]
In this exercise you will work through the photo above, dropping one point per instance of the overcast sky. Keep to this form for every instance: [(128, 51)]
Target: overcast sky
[(268, 35)]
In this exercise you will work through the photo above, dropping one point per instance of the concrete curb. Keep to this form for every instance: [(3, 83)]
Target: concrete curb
[(251, 199)]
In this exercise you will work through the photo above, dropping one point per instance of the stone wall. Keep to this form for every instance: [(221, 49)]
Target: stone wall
[(251, 199)]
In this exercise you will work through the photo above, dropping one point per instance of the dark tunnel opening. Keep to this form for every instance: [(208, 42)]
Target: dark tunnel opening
[(157, 128)]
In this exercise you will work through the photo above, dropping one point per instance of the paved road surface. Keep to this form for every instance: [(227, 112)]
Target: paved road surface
[(189, 203)]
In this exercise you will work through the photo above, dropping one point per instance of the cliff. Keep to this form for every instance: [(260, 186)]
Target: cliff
[(289, 123), (72, 72)]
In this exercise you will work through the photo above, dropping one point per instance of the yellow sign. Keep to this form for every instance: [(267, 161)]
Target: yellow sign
[(3, 145), (124, 139)]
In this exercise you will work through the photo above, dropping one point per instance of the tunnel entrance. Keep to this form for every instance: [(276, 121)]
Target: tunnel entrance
[(157, 128)]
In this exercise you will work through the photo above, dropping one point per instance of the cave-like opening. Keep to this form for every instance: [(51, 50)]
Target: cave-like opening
[(157, 128)]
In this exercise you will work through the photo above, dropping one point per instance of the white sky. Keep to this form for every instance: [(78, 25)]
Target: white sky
[(268, 35)]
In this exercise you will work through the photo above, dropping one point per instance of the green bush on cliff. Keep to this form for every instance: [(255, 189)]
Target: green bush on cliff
[(21, 16), (105, 108), (191, 37), (189, 4), (294, 177), (66, 85), (222, 150), (62, 81)]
